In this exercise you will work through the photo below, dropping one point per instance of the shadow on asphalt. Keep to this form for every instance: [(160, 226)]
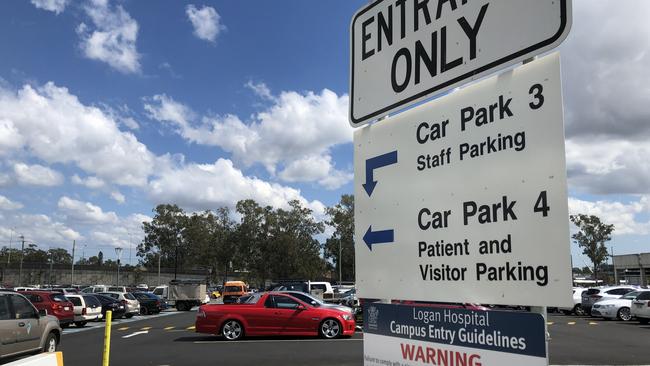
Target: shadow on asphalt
[(221, 339)]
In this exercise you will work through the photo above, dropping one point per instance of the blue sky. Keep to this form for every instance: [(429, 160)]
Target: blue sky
[(110, 107)]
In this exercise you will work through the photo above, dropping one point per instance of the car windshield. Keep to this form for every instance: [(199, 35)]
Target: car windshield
[(631, 295), (129, 296), (59, 298), (253, 299), (234, 289)]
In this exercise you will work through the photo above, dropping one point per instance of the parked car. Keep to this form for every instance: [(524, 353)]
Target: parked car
[(53, 303), (594, 294), (616, 308), (640, 307), (273, 313), (24, 329), (149, 303), (577, 303), (131, 304), (108, 303), (233, 290), (86, 308)]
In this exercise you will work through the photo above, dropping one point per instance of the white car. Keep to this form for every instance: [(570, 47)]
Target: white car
[(616, 308), (594, 294), (577, 300), (86, 308), (131, 304), (641, 307)]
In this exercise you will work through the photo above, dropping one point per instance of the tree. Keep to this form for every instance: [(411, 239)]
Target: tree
[(12, 255), (59, 256), (165, 234), (341, 218), (591, 237)]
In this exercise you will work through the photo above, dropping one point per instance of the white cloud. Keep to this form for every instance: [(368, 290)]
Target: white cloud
[(88, 182), (10, 137), (622, 215), (7, 204), (260, 89), (111, 38), (118, 197), (296, 127), (315, 169), (54, 126), (37, 175), (603, 166), (56, 6), (39, 229), (206, 22), (219, 184), (85, 212)]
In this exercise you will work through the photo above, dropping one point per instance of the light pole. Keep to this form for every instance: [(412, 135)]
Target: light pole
[(118, 252), (340, 263), (11, 236), (22, 254), (159, 267)]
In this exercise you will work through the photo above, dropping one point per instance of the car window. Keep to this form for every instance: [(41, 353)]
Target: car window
[(591, 291), (117, 289), (129, 296), (33, 298), (319, 287), (97, 289), (158, 291), (306, 298), (284, 302), (91, 301), (22, 308), (4, 308), (140, 296), (645, 295), (269, 302), (75, 300)]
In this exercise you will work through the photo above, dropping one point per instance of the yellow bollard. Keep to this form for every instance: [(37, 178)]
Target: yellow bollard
[(107, 338)]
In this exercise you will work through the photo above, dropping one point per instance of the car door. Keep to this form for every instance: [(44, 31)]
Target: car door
[(28, 336), (8, 325), (293, 319)]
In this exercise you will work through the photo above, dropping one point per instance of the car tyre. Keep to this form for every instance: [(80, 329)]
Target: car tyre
[(51, 343), (624, 314), (80, 324), (330, 328), (232, 330), (129, 316), (578, 310), (144, 311)]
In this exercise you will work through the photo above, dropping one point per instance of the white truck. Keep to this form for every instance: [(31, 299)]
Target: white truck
[(183, 294)]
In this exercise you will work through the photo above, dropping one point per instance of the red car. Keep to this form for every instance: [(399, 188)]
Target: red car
[(53, 303), (273, 313)]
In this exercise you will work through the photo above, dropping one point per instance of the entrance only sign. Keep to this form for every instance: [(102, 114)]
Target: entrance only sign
[(403, 51), (464, 199)]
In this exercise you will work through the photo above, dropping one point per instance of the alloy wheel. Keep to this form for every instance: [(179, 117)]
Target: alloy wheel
[(232, 330), (330, 329)]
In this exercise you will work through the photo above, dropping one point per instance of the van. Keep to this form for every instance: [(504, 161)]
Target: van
[(232, 290)]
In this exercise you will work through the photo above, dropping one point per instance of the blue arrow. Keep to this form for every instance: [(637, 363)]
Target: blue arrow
[(378, 237), (376, 163)]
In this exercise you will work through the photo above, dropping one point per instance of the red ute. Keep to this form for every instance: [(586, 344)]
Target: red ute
[(273, 313), (53, 303)]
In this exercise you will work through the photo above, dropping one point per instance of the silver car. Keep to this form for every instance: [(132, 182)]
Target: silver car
[(131, 304), (23, 329)]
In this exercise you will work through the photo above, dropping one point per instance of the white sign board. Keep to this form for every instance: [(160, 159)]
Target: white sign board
[(407, 50), (464, 199)]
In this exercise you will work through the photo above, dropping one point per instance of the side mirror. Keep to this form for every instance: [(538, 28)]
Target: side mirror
[(42, 313), (301, 307)]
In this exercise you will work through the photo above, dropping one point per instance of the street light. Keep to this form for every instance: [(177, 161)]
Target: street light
[(22, 254), (118, 252)]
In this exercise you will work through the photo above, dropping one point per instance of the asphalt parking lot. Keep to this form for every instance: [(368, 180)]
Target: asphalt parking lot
[(169, 339)]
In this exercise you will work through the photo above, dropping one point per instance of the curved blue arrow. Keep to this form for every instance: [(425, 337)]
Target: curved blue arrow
[(378, 237), (376, 163)]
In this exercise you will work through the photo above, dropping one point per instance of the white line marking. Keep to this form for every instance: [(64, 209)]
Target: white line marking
[(279, 341), (135, 334)]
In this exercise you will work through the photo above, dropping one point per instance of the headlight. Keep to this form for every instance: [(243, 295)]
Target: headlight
[(346, 316)]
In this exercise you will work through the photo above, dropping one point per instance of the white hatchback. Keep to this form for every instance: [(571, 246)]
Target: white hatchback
[(131, 304), (86, 308), (616, 308), (641, 307)]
